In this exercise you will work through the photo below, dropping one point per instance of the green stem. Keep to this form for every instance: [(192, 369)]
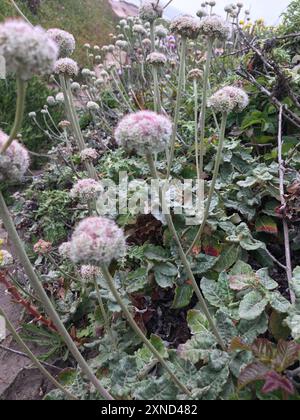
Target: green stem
[(33, 358), (20, 12), (213, 183), (104, 314), (37, 286), (204, 102), (196, 128), (138, 331), (178, 103), (184, 259), (20, 108), (157, 98), (152, 36)]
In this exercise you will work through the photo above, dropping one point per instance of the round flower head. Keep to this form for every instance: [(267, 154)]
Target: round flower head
[(144, 132), (195, 74), (14, 162), (86, 189), (146, 43), (42, 247), (60, 98), (161, 31), (157, 59), (65, 41), (89, 272), (202, 13), (66, 66), (64, 249), (150, 10), (186, 26), (229, 99), (139, 29), (27, 50), (92, 106), (97, 241), (89, 154), (215, 27)]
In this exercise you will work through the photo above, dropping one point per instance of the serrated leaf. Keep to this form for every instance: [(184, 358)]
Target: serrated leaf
[(275, 382), (288, 352), (183, 296), (263, 350), (252, 306)]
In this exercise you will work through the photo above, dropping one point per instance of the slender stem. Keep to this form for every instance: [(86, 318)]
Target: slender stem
[(196, 128), (184, 259), (289, 270), (178, 103), (152, 36), (157, 98), (20, 12), (20, 108), (213, 183), (37, 286), (104, 314), (139, 332), (204, 102), (33, 358)]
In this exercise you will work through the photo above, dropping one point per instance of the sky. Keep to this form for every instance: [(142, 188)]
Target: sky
[(270, 10)]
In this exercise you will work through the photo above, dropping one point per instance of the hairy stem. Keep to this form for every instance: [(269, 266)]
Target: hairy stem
[(213, 183), (196, 128), (139, 332), (37, 286), (33, 358)]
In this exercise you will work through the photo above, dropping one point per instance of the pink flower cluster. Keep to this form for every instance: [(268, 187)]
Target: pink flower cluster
[(66, 66), (42, 247), (86, 190), (27, 50), (64, 40), (150, 10), (186, 26), (89, 154), (97, 241), (144, 132), (229, 99), (14, 162), (89, 272)]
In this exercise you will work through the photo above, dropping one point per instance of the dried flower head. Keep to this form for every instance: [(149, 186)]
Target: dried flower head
[(89, 154), (66, 66), (65, 41), (97, 241), (86, 190), (161, 31), (14, 162), (195, 74), (27, 50), (186, 26), (6, 259), (229, 99), (150, 10), (157, 59), (144, 132), (42, 247), (139, 29), (92, 106), (215, 27)]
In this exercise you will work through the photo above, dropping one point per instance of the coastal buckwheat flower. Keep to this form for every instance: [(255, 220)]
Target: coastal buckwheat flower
[(14, 162), (97, 241), (195, 74), (42, 247), (86, 190), (229, 99), (186, 26), (150, 10), (66, 66), (64, 249), (157, 59), (51, 101), (64, 124), (161, 31), (92, 106), (6, 259), (60, 98), (139, 29), (202, 13), (65, 41), (146, 43), (27, 50), (144, 132), (215, 27), (89, 272), (89, 154)]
